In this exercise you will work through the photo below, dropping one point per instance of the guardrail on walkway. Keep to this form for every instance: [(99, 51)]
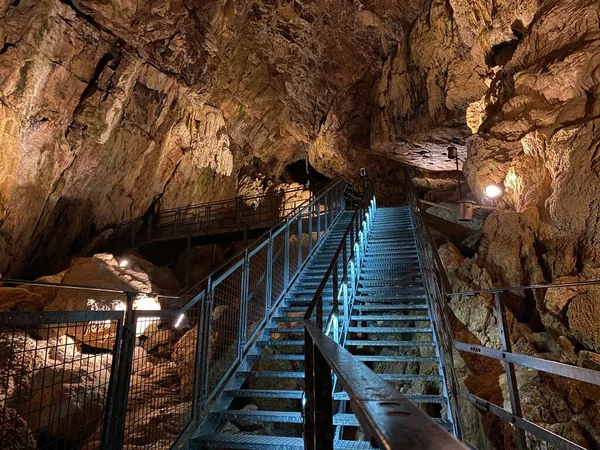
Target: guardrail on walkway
[(105, 379), (229, 215), (440, 293)]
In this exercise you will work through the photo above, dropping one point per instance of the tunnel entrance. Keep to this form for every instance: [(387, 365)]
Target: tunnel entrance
[(302, 172)]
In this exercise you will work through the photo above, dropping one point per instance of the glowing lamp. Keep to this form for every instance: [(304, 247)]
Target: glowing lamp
[(493, 191), (123, 263)]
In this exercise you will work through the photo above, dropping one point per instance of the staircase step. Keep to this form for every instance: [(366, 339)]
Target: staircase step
[(299, 375), (389, 317), (420, 307), (389, 330), (415, 398), (389, 358), (282, 342), (372, 343), (269, 374), (278, 357), (261, 442)]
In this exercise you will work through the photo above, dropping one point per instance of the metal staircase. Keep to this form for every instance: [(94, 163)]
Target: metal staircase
[(389, 330)]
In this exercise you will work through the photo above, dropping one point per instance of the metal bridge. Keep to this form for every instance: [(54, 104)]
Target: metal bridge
[(332, 331)]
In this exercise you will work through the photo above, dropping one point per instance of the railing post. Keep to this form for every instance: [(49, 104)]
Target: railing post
[(116, 427), (309, 400), (300, 249), (335, 287), (243, 316), (323, 404), (269, 287), (206, 319), (286, 262), (320, 311), (199, 363), (318, 219), (310, 227), (509, 368)]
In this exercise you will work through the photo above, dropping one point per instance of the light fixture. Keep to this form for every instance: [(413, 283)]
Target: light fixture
[(465, 210), (179, 320), (493, 191), (123, 263)]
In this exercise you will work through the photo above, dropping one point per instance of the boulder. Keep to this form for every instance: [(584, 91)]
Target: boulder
[(14, 432), (101, 270), (67, 400)]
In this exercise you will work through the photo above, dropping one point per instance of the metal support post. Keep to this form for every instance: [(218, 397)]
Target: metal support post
[(286, 261), (323, 405), (318, 219), (269, 287), (118, 415), (509, 368), (335, 287), (320, 311), (199, 362), (309, 400), (243, 304), (299, 241), (310, 228), (206, 319)]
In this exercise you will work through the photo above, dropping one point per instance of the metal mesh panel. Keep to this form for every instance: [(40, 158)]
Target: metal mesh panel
[(53, 389), (224, 329), (278, 267), (159, 404), (293, 259), (257, 290), (305, 244)]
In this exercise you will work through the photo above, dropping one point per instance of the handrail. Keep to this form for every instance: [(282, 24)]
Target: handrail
[(352, 230), (437, 285), (302, 208), (386, 416), (413, 199), (318, 425), (525, 288), (431, 265), (81, 287)]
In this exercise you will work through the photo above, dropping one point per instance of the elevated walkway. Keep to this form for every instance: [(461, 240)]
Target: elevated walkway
[(390, 330)]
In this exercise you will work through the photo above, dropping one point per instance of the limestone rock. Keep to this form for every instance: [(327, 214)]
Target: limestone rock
[(14, 433), (78, 388)]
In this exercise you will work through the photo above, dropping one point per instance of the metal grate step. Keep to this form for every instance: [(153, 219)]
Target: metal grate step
[(260, 442)]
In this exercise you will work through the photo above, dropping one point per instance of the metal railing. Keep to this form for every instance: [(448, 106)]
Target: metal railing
[(387, 417), (342, 278), (440, 293), (234, 214), (108, 379)]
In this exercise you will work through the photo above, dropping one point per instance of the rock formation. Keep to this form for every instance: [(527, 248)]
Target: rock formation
[(110, 108)]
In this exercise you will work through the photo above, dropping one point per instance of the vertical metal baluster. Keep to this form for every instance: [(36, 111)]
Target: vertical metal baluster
[(199, 363), (319, 218), (509, 368), (269, 288), (320, 311), (323, 404), (243, 316), (300, 250), (286, 261), (105, 442), (310, 227), (309, 381), (335, 286), (119, 416)]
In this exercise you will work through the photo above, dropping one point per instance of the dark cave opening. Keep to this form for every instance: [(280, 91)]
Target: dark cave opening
[(302, 172)]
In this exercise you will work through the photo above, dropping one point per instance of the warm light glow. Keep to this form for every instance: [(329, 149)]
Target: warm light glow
[(179, 320), (123, 263), (493, 191)]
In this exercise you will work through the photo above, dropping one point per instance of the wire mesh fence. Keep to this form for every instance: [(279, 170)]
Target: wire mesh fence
[(257, 288), (53, 391), (143, 379)]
